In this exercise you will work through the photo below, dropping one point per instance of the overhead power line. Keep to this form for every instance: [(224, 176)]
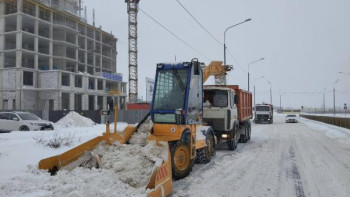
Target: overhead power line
[(210, 34), (176, 36)]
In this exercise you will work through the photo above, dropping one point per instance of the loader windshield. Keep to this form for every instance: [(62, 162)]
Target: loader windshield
[(170, 89)]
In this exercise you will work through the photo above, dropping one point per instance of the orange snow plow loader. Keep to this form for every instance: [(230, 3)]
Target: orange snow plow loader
[(160, 182)]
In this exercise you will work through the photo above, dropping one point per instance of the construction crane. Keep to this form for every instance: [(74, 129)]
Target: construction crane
[(132, 17)]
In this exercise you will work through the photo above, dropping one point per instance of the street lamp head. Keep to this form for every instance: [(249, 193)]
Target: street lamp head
[(249, 19), (262, 58)]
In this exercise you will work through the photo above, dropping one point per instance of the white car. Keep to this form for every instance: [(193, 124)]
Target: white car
[(292, 118), (23, 121)]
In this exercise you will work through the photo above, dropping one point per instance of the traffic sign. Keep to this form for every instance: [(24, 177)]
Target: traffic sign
[(345, 106)]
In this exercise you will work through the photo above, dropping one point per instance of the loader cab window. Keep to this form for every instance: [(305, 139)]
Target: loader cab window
[(217, 98), (195, 98), (170, 91)]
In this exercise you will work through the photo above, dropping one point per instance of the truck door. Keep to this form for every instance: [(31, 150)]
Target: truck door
[(232, 108)]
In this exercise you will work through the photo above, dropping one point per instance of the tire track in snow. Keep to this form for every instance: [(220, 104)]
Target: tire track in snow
[(298, 185)]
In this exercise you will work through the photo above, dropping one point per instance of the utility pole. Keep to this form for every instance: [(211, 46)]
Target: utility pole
[(324, 101), (334, 95), (270, 93), (133, 8), (280, 101)]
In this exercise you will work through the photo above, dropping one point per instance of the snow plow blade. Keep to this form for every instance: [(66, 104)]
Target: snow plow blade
[(160, 182), (53, 164)]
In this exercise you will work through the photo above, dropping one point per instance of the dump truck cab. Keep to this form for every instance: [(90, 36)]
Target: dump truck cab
[(220, 109), (263, 113), (227, 109)]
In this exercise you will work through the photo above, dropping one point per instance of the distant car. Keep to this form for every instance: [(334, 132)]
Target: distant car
[(292, 118), (23, 121)]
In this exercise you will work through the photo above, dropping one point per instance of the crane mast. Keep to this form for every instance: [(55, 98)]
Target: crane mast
[(132, 17)]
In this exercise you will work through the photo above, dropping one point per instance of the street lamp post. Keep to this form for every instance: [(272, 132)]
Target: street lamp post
[(225, 36), (334, 95), (270, 92), (324, 101), (249, 68), (254, 91)]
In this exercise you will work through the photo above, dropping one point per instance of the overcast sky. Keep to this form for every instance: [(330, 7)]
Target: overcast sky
[(305, 43)]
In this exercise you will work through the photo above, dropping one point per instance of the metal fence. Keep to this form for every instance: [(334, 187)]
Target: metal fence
[(129, 116), (341, 122)]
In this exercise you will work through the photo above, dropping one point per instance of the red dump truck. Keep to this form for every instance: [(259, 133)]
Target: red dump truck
[(228, 110)]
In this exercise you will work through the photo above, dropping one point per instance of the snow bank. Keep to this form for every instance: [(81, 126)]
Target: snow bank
[(125, 171), (140, 137), (73, 119)]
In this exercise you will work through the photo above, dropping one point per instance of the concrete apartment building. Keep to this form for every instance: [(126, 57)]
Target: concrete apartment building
[(50, 58)]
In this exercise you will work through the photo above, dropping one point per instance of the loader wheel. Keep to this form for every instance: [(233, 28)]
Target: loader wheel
[(181, 160), (204, 154)]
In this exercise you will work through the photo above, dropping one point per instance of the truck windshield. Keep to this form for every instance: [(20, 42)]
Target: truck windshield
[(262, 108), (217, 98), (170, 89)]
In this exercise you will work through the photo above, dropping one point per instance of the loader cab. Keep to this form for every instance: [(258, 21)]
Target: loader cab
[(178, 94)]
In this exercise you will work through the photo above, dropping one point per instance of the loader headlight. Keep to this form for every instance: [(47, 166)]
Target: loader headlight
[(224, 135)]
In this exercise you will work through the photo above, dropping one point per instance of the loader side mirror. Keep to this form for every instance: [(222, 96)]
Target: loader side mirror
[(196, 68), (236, 99)]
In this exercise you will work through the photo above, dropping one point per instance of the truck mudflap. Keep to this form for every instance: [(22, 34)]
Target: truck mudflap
[(160, 182)]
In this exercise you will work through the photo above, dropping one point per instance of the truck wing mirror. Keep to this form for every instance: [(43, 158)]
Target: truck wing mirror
[(236, 99)]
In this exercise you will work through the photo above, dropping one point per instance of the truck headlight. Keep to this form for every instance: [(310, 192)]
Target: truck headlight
[(224, 135)]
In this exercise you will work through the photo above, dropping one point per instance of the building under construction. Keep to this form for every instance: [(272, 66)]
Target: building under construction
[(50, 58)]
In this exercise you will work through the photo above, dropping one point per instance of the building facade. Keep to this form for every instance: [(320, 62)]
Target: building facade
[(51, 59)]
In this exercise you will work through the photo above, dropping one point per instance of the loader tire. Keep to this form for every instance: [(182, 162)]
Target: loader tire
[(181, 159), (204, 154)]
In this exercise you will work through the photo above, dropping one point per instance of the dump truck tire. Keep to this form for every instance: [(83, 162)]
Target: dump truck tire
[(204, 154), (249, 132), (181, 159), (244, 137), (232, 143)]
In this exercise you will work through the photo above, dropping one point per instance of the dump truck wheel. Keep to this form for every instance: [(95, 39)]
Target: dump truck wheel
[(232, 143), (204, 154), (249, 132), (181, 160), (244, 137)]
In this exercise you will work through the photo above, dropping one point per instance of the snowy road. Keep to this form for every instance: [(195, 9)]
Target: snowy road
[(304, 159)]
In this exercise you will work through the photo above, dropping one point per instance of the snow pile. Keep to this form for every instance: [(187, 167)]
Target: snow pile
[(125, 171), (140, 137), (73, 119)]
